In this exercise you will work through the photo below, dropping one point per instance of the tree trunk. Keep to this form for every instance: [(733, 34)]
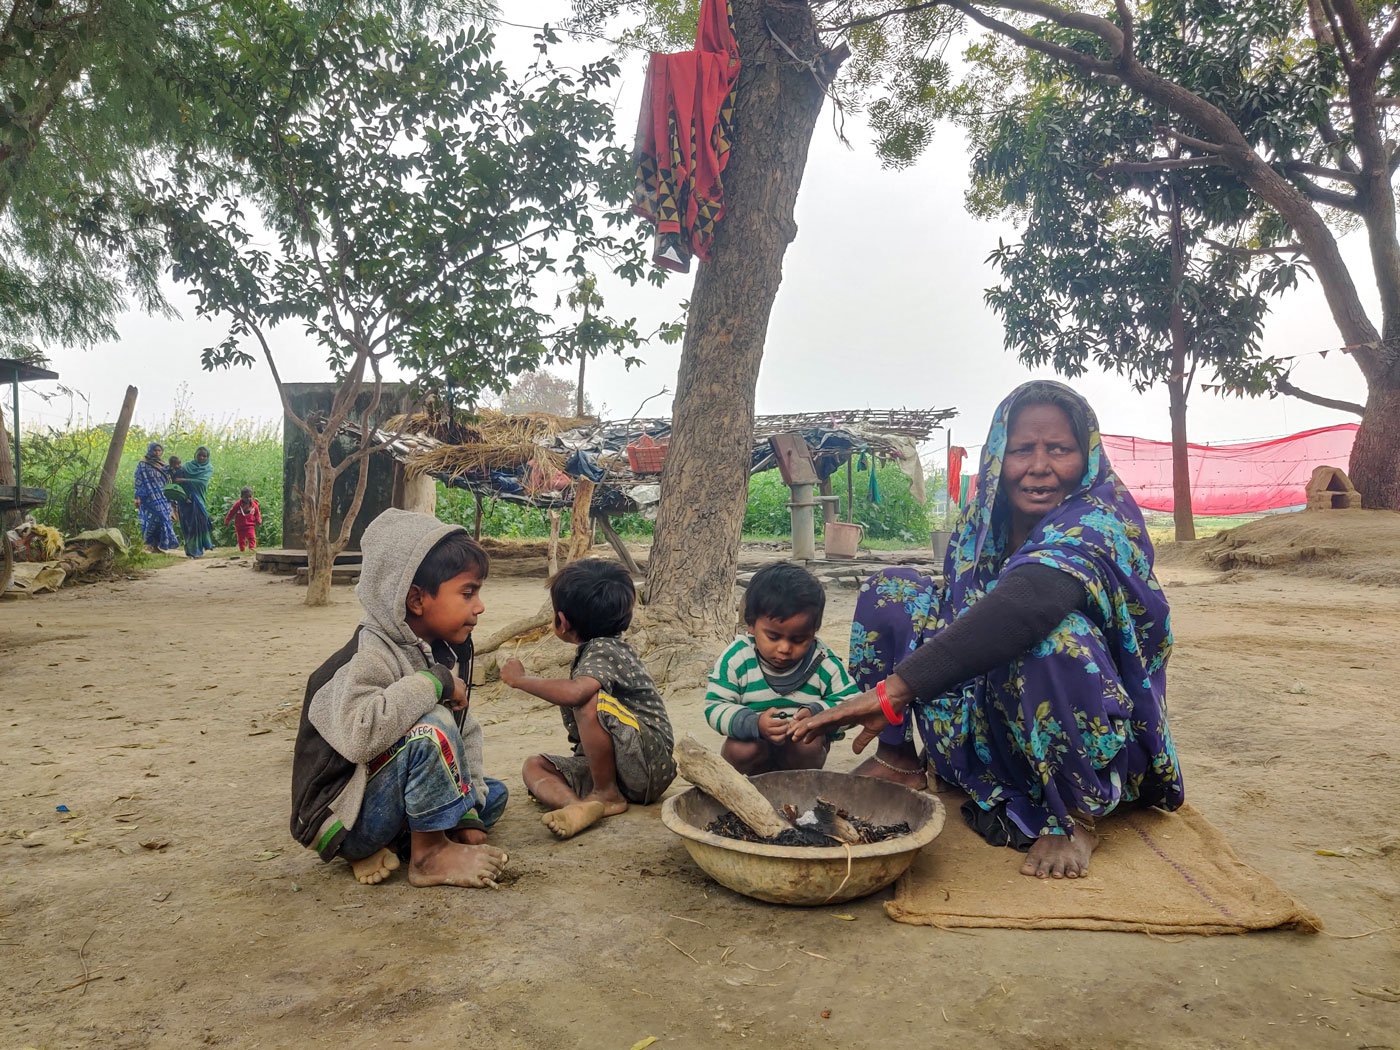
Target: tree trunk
[(316, 510), (1176, 387), (1182, 514), (694, 557), (107, 483), (1375, 458)]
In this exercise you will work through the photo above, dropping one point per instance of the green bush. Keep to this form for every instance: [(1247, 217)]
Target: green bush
[(898, 516), (68, 463)]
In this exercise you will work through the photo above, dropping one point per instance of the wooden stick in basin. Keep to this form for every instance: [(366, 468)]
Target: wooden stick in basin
[(726, 785)]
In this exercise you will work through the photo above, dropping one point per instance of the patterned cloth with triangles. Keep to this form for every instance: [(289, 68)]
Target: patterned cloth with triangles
[(683, 139)]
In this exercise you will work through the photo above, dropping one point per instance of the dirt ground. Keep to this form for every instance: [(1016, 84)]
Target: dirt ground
[(158, 713)]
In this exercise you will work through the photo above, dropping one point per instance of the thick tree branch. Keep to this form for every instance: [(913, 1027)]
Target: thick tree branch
[(1322, 171), (1283, 386), (1333, 138), (1277, 251), (1102, 28), (880, 17), (1133, 167), (1385, 47), (1125, 20), (1067, 55), (1354, 25), (1338, 37), (1327, 197), (1191, 140)]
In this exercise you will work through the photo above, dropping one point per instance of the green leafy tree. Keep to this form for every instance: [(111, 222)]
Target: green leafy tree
[(1291, 100), (1288, 103), (95, 95), (396, 196), (1123, 265)]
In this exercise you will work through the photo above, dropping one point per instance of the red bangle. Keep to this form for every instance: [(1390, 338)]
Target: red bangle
[(887, 708)]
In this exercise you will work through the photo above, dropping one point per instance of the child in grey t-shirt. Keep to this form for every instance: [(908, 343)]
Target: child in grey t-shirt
[(615, 718)]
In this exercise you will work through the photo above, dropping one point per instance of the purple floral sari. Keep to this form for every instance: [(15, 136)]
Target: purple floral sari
[(1078, 723)]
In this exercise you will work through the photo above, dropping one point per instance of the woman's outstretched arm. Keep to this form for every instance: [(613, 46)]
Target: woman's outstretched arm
[(1025, 606)]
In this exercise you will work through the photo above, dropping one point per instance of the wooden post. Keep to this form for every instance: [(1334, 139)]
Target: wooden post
[(850, 487), (480, 509), (102, 503), (581, 522), (553, 542), (828, 505)]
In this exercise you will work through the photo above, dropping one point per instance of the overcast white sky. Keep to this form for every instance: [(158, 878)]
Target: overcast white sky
[(881, 306)]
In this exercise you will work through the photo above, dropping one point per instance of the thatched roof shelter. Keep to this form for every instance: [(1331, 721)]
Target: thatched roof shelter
[(530, 458)]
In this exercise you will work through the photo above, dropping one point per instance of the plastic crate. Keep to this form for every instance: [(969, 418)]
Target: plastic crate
[(646, 456)]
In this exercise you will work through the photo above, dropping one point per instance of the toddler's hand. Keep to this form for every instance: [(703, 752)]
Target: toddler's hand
[(459, 698), (773, 729), (512, 671)]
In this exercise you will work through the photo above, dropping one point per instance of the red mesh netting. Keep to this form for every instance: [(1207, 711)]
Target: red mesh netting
[(1231, 479)]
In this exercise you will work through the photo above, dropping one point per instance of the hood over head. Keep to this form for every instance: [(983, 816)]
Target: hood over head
[(394, 545)]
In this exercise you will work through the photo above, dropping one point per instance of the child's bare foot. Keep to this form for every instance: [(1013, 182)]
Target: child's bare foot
[(570, 820), (375, 868), (456, 864), (1061, 856)]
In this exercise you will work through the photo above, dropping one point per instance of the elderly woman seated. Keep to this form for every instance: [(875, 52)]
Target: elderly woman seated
[(1036, 674)]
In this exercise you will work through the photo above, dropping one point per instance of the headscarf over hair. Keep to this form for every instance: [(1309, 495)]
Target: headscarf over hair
[(197, 471), (1096, 534), (151, 451)]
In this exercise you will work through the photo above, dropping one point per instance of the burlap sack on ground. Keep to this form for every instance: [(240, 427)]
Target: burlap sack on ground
[(1153, 872)]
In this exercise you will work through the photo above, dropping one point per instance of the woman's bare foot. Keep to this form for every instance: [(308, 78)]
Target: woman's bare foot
[(568, 821), (449, 863), (375, 868), (1061, 856), (897, 765)]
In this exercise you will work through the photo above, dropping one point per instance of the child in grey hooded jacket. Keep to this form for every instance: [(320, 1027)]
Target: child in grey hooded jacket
[(379, 751)]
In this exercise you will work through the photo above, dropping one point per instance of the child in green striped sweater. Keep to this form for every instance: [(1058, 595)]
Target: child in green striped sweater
[(776, 675)]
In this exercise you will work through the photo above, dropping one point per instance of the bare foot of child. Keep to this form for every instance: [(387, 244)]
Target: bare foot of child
[(375, 868), (570, 820), (454, 864), (1061, 856)]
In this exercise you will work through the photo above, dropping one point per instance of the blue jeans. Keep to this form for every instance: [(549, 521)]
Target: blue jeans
[(421, 784)]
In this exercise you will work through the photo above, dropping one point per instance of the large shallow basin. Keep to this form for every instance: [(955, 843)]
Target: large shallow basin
[(809, 874)]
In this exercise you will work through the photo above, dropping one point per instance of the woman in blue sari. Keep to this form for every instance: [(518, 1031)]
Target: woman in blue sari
[(195, 525), (152, 505), (1036, 675)]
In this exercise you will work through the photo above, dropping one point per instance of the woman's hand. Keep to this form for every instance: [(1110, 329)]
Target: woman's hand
[(863, 710)]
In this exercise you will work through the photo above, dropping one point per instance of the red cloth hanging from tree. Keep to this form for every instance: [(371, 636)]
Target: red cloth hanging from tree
[(683, 139), (956, 455)]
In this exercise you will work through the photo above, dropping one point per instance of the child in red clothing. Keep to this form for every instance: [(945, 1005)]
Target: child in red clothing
[(246, 516)]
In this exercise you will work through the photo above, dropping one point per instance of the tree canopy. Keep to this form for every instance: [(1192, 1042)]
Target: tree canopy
[(95, 96), (401, 199)]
